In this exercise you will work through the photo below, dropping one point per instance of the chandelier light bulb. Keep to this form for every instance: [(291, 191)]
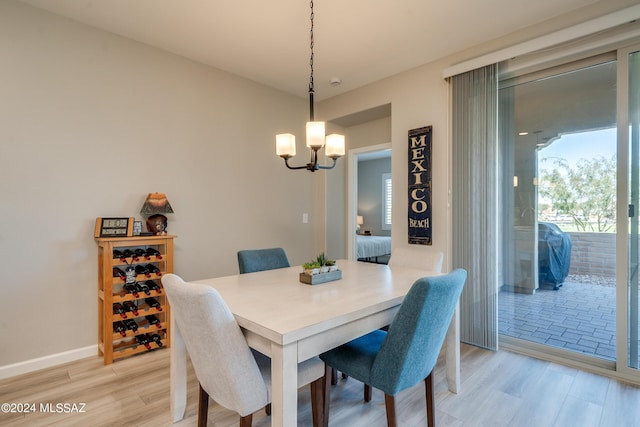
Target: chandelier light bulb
[(335, 146), (285, 145), (315, 135)]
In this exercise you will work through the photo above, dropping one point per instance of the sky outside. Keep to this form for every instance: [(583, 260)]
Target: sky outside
[(576, 146)]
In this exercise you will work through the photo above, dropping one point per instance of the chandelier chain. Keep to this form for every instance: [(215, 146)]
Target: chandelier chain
[(316, 139), (311, 86)]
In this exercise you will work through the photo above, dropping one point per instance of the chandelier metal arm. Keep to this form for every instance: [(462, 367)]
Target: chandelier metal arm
[(328, 167), (313, 165)]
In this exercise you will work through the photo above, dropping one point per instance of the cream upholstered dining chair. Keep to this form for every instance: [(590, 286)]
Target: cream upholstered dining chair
[(228, 371), (253, 260), (417, 256)]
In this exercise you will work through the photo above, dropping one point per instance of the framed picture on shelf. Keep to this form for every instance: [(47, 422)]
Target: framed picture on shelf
[(114, 227)]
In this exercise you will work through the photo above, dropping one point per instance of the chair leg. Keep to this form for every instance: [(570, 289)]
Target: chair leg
[(326, 398), (334, 376), (390, 403), (203, 407), (431, 402), (246, 420), (367, 393), (317, 402)]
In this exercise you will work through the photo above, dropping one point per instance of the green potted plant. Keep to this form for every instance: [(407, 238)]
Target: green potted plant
[(311, 268), (318, 270), (322, 260)]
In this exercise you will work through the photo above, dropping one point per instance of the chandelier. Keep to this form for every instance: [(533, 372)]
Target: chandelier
[(315, 133)]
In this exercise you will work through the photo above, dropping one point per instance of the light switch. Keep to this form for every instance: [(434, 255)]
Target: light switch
[(305, 218)]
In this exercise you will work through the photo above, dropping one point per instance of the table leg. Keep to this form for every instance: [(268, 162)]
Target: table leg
[(452, 352), (178, 373), (284, 385)]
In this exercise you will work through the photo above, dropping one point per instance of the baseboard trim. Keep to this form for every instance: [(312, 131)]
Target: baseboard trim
[(32, 365)]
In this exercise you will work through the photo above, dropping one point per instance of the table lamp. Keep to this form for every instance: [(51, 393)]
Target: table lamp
[(359, 221), (154, 207)]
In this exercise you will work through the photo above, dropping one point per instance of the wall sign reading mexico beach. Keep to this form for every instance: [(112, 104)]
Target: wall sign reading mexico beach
[(420, 186)]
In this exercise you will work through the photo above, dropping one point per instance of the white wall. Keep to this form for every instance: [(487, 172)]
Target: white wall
[(418, 97), (89, 124), (372, 132)]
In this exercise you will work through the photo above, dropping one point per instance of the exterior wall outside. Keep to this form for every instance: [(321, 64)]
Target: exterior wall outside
[(593, 254)]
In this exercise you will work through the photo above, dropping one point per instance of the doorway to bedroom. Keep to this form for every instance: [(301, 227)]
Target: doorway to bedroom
[(370, 203)]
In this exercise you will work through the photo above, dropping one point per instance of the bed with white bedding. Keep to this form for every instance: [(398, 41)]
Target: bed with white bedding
[(369, 247)]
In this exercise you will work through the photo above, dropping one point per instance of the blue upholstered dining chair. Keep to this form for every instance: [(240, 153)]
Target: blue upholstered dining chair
[(405, 355), (228, 371), (415, 256), (252, 260)]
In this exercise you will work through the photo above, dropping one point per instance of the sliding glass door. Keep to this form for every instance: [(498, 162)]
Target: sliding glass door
[(570, 196), (558, 142), (633, 123)]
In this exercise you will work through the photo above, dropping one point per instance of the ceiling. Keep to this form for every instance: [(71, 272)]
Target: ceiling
[(358, 41)]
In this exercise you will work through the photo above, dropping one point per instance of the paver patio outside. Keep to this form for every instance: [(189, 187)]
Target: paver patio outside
[(578, 316)]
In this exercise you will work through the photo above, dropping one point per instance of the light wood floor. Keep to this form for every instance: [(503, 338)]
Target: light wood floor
[(498, 389)]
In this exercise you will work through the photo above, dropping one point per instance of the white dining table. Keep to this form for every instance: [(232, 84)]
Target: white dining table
[(291, 322)]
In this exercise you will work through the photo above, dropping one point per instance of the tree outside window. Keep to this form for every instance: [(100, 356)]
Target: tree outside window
[(585, 193)]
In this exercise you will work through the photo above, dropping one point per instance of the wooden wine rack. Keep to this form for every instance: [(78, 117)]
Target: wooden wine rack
[(111, 344)]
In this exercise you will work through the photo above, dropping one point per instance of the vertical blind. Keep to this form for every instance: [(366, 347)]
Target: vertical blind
[(475, 201)]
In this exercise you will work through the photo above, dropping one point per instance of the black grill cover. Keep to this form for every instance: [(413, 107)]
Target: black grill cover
[(554, 253)]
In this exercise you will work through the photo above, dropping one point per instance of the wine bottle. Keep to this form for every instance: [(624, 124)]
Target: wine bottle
[(128, 253), (153, 303), (154, 252), (153, 269), (118, 254), (144, 340), (130, 288), (156, 338), (118, 272), (131, 324), (119, 309), (153, 319), (144, 288), (119, 327), (130, 306), (139, 253), (138, 287), (141, 269), (154, 286)]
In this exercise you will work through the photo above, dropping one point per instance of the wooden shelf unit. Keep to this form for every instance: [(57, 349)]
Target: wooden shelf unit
[(111, 344)]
